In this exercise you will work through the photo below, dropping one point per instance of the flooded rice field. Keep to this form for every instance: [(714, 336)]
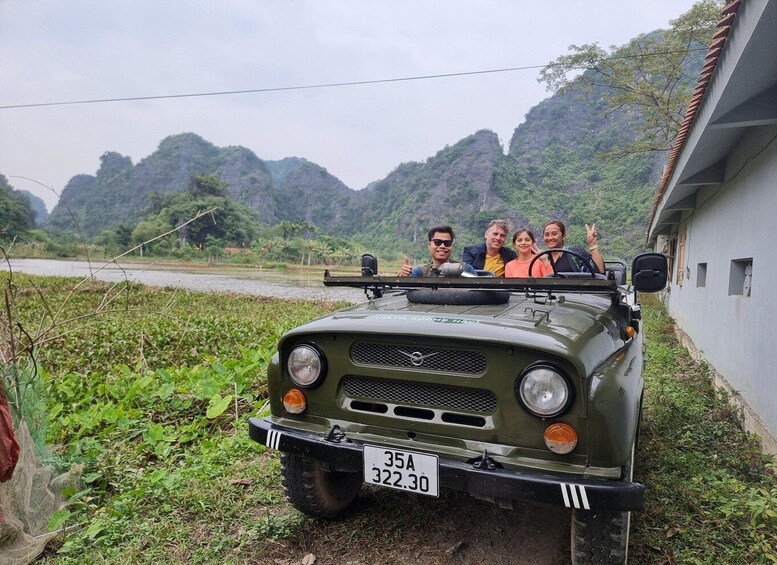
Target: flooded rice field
[(278, 284)]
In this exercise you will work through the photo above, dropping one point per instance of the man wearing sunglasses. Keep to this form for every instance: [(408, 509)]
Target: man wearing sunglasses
[(492, 255), (440, 248)]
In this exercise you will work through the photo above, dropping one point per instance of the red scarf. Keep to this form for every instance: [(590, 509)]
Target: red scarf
[(9, 448)]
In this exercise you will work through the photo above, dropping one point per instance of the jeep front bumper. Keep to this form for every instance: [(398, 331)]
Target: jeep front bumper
[(498, 483)]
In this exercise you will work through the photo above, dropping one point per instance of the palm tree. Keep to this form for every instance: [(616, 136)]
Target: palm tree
[(309, 247), (323, 250)]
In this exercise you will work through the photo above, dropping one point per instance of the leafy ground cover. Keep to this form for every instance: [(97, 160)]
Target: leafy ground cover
[(152, 398), (712, 496)]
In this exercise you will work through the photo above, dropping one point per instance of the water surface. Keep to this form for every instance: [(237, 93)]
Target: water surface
[(209, 279)]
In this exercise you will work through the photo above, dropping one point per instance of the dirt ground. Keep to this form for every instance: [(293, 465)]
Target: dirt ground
[(387, 527)]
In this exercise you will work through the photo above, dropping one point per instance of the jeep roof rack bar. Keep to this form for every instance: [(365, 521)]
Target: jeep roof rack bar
[(483, 283)]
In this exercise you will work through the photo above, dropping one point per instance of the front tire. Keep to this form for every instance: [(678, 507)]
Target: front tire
[(602, 538), (314, 489)]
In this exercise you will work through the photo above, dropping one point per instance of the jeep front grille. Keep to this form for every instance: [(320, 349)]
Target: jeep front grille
[(431, 395), (461, 361)]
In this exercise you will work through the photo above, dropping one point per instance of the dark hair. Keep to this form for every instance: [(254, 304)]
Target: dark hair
[(440, 229), (524, 230), (560, 225)]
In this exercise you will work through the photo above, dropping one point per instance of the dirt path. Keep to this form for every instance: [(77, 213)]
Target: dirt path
[(385, 527)]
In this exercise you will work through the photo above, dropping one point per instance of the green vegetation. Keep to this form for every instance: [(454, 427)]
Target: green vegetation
[(17, 216), (227, 223), (712, 497), (152, 397), (615, 197), (656, 87), (591, 153), (268, 249)]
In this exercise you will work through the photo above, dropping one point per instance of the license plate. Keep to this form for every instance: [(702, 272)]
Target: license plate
[(402, 470)]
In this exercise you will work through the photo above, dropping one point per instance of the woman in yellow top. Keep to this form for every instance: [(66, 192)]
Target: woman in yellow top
[(526, 245)]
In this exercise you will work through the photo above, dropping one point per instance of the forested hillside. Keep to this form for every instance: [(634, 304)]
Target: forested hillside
[(465, 185), (38, 206), (455, 186), (17, 215), (586, 154), (570, 173)]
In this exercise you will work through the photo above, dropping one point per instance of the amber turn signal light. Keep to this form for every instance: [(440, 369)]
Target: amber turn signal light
[(294, 401), (560, 438)]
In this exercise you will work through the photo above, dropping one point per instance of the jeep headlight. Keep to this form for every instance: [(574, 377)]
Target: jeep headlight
[(544, 391), (306, 366)]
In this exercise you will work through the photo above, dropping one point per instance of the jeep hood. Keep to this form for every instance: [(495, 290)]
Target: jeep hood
[(583, 328)]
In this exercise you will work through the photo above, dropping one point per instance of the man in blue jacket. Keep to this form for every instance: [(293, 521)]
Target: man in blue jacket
[(491, 255)]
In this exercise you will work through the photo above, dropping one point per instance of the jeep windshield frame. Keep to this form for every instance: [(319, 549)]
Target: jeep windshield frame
[(375, 286)]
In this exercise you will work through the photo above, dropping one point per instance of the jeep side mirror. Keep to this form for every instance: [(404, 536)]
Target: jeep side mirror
[(649, 272), (369, 265)]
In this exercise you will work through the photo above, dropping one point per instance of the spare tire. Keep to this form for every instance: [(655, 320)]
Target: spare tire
[(457, 297)]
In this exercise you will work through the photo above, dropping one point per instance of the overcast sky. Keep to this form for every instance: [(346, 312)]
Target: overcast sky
[(73, 50)]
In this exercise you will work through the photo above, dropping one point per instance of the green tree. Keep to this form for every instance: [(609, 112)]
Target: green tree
[(288, 230), (207, 185), (307, 248), (653, 74), (322, 251), (149, 229), (213, 249), (123, 236), (17, 216), (229, 223), (115, 240), (160, 201)]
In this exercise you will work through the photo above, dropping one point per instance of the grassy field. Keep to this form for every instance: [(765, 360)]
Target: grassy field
[(712, 496), (151, 396)]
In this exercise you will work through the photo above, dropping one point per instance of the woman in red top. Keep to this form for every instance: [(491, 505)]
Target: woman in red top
[(526, 245)]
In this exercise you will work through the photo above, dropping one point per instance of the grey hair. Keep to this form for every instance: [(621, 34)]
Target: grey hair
[(499, 223)]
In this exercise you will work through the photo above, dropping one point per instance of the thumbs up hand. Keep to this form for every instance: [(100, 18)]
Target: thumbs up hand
[(406, 268)]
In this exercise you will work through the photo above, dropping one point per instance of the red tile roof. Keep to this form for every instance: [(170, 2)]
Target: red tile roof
[(731, 8)]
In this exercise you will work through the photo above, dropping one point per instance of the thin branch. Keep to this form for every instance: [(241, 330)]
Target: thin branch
[(175, 229), (113, 260)]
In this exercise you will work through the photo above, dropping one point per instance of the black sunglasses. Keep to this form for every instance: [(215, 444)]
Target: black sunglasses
[(445, 242)]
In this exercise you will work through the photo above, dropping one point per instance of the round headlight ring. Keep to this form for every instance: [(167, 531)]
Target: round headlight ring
[(544, 390), (306, 366)]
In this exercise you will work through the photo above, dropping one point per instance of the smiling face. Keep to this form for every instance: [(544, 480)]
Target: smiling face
[(553, 236), (523, 241), (495, 239), (437, 248)]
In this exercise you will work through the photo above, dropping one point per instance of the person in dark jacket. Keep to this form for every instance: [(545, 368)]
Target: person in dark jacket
[(554, 233), (492, 255)]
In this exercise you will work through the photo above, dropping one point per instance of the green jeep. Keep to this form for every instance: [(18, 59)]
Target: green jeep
[(508, 389)]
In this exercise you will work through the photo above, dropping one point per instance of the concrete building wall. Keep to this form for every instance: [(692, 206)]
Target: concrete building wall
[(732, 225)]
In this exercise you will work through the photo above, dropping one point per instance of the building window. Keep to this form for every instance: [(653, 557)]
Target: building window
[(681, 256), (740, 278), (701, 275)]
